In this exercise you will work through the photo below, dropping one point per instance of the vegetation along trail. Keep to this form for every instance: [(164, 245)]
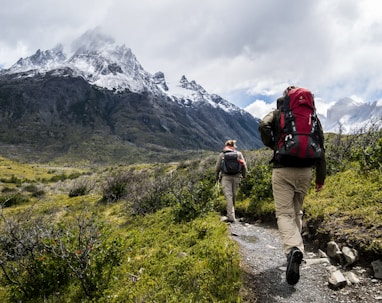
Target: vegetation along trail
[(264, 268)]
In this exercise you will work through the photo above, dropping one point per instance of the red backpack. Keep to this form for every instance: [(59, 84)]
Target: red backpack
[(300, 135)]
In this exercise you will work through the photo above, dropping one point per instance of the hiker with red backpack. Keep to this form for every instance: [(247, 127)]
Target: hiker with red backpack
[(295, 134), (230, 168)]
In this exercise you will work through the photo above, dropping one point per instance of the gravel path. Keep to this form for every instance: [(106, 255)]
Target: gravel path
[(264, 265)]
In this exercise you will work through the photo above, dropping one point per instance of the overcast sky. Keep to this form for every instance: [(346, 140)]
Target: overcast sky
[(247, 51)]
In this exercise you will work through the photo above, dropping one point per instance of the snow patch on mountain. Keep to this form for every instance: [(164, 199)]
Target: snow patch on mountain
[(96, 58), (348, 115)]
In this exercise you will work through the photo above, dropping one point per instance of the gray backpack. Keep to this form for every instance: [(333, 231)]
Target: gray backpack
[(230, 164)]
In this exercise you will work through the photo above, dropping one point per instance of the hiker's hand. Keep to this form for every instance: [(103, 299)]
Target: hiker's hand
[(319, 187)]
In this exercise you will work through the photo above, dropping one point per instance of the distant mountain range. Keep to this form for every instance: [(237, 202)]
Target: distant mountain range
[(98, 102), (348, 116)]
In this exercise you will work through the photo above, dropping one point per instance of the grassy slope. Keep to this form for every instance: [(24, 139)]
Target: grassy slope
[(349, 210), (162, 260)]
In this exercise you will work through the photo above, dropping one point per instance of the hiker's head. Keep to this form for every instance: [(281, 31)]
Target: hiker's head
[(288, 89), (231, 143)]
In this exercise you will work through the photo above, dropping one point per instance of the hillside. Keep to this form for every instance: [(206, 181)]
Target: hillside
[(154, 230), (100, 105)]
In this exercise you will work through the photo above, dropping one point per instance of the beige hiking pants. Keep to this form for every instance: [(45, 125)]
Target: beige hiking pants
[(290, 186), (230, 185)]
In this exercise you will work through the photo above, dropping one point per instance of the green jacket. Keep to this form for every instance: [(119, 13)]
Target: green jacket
[(270, 132)]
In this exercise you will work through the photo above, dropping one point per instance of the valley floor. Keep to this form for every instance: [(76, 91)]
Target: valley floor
[(264, 265)]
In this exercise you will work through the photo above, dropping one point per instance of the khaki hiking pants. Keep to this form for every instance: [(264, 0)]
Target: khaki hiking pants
[(230, 185), (290, 185)]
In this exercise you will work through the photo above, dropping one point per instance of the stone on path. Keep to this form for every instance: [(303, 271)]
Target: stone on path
[(377, 267)]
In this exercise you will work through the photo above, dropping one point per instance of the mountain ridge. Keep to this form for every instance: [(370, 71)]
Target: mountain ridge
[(58, 103), (348, 115)]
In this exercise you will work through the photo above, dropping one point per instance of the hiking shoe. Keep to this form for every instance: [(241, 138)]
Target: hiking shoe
[(293, 268)]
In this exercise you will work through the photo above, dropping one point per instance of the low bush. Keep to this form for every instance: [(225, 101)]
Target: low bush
[(115, 187), (349, 209), (40, 258), (169, 262), (80, 188), (34, 190), (12, 199)]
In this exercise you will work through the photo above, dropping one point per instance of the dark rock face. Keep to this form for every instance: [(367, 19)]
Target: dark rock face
[(55, 112)]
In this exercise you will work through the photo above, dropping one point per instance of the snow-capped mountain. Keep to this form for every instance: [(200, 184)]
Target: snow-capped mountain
[(348, 115), (59, 102), (96, 58)]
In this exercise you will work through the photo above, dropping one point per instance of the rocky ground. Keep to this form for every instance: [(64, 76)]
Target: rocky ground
[(264, 265)]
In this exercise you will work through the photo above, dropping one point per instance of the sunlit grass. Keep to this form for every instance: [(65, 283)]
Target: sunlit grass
[(350, 206), (13, 170), (163, 261), (191, 262)]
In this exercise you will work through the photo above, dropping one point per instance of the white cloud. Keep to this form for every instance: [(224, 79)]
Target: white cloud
[(259, 108), (256, 46)]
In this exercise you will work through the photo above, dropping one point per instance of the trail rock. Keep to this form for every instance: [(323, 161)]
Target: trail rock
[(337, 279), (350, 255), (351, 277), (377, 267), (333, 250), (264, 266)]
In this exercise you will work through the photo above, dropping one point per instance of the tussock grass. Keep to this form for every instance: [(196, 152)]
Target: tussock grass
[(166, 223), (170, 262), (163, 259), (349, 209)]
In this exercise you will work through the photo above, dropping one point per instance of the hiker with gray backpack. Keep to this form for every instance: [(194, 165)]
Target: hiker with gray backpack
[(230, 168), (294, 132)]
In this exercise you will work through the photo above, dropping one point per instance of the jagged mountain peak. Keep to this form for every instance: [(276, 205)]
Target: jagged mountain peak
[(59, 95), (100, 61), (348, 115), (191, 85), (92, 40), (160, 80), (48, 59), (96, 44)]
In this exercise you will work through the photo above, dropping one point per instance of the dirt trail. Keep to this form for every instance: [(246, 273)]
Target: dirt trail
[(265, 264)]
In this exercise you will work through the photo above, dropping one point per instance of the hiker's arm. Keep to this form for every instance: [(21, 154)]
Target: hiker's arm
[(217, 167), (266, 130), (321, 163), (320, 172), (243, 165)]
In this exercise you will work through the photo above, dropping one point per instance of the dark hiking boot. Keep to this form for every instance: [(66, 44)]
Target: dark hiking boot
[(293, 268)]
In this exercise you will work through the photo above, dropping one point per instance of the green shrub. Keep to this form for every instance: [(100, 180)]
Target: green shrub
[(192, 200), (13, 179), (12, 199), (149, 192), (60, 177), (169, 262), (28, 266), (370, 157), (115, 187), (364, 146), (191, 192), (40, 257), (80, 188), (91, 252), (34, 190), (349, 208)]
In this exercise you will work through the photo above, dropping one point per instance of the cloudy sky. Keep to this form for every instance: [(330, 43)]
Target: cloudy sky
[(247, 51)]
